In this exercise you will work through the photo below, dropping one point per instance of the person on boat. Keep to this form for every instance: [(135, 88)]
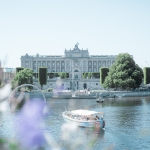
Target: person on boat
[(92, 117), (97, 118), (87, 118)]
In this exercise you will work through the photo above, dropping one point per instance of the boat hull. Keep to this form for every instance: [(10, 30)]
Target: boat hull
[(81, 123)]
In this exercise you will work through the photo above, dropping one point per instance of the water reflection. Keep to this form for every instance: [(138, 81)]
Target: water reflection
[(127, 124)]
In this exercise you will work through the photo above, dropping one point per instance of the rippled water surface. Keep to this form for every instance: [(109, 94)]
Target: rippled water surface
[(127, 124)]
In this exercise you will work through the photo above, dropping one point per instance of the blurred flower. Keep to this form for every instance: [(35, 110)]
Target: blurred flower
[(4, 106), (29, 128)]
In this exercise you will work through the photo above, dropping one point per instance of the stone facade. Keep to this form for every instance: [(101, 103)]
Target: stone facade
[(74, 61), (6, 74)]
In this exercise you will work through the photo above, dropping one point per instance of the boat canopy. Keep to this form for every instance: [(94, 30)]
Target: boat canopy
[(85, 112)]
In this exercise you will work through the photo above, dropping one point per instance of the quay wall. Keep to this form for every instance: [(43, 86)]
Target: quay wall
[(93, 95), (123, 93)]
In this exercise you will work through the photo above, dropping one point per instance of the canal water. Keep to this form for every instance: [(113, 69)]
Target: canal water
[(127, 125)]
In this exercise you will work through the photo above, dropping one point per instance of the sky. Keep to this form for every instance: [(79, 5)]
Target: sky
[(48, 27)]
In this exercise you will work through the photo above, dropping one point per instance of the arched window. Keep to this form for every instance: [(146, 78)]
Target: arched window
[(85, 86), (76, 71)]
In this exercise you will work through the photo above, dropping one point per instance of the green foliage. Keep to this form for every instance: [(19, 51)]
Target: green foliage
[(14, 146), (67, 75), (42, 76), (24, 76), (103, 73), (35, 75), (9, 144), (96, 74), (85, 75), (146, 71), (19, 69), (2, 141), (124, 73), (62, 75), (90, 74)]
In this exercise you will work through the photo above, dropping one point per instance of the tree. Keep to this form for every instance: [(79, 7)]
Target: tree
[(42, 76), (24, 76), (146, 75), (90, 74), (103, 74), (96, 75), (124, 73), (84, 75), (19, 69)]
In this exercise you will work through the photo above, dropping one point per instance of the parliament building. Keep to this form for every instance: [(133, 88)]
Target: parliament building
[(75, 62)]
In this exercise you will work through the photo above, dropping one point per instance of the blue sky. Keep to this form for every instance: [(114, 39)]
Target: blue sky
[(47, 27)]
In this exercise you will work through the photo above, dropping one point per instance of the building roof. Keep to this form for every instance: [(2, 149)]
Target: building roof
[(10, 70), (85, 112)]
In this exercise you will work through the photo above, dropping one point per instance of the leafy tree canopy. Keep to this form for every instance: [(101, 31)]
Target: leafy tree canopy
[(124, 73), (24, 76)]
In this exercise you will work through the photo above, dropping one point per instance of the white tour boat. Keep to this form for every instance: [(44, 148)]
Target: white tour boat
[(84, 118)]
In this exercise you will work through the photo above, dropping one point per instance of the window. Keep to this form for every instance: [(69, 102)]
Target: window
[(34, 69), (57, 70), (57, 63), (94, 69), (26, 63), (90, 69), (34, 63), (43, 63), (94, 62), (62, 63), (62, 70), (39, 63), (104, 63), (68, 69), (90, 63), (68, 63), (48, 63)]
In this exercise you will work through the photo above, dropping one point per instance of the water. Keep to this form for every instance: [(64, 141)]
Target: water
[(127, 124)]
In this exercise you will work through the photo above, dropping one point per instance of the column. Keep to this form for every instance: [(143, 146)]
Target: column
[(59, 66), (55, 65), (97, 66)]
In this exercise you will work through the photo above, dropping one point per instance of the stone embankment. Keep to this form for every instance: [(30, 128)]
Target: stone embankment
[(113, 94), (90, 95), (96, 94)]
